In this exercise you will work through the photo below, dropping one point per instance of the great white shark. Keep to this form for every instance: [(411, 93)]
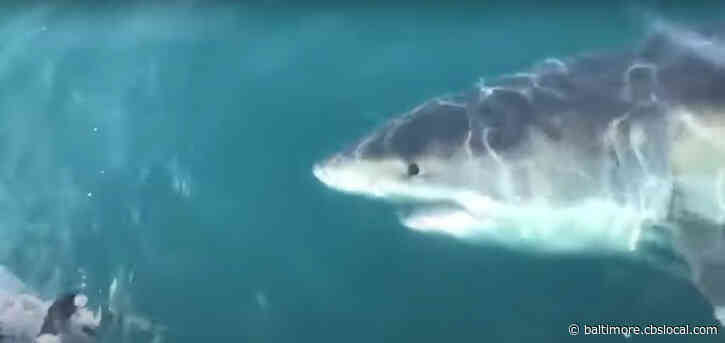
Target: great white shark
[(595, 151)]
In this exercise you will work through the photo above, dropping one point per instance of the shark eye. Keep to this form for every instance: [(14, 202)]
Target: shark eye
[(413, 169)]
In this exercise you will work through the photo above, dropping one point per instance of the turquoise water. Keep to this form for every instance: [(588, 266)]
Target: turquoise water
[(175, 144)]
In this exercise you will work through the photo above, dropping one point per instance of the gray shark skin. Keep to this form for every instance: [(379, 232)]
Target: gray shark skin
[(575, 154)]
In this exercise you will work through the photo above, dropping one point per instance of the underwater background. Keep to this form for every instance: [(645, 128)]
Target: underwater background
[(169, 147)]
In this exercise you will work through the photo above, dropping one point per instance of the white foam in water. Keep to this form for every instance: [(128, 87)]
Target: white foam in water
[(9, 283), (720, 313), (80, 300), (127, 322), (22, 313)]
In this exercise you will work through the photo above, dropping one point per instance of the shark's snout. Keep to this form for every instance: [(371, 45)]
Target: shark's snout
[(344, 174)]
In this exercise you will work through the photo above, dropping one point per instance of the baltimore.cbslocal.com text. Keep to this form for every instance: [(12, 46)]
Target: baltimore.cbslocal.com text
[(647, 330)]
